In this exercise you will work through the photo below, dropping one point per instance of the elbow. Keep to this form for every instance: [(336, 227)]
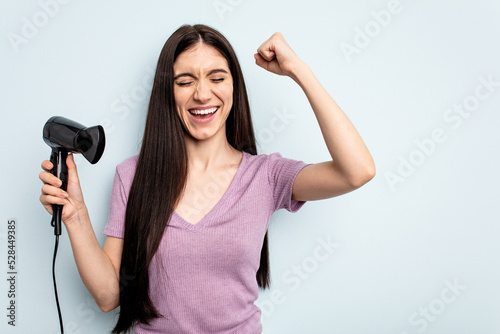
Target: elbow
[(107, 304), (370, 173), (363, 177), (107, 307)]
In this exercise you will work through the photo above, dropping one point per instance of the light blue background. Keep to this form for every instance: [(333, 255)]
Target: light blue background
[(397, 245)]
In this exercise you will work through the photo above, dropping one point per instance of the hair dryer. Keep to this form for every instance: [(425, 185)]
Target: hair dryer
[(65, 136)]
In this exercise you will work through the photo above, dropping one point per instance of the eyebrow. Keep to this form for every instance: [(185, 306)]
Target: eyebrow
[(187, 74)]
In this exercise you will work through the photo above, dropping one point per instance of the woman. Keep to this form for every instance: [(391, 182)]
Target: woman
[(186, 245)]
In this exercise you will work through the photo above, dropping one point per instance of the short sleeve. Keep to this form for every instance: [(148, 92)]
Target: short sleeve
[(281, 174), (115, 226)]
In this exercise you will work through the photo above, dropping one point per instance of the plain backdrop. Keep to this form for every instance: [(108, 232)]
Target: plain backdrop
[(416, 250)]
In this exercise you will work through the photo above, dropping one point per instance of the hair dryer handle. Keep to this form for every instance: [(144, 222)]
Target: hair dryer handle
[(59, 170)]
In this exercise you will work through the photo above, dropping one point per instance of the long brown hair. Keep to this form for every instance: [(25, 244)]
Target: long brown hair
[(161, 172)]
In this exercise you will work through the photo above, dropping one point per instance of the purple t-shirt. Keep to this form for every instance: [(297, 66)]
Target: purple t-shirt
[(202, 278)]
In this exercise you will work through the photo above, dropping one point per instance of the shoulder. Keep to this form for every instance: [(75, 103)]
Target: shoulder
[(261, 158), (126, 168), (272, 163), (271, 158), (259, 162)]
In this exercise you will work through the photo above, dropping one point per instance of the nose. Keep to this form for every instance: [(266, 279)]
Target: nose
[(203, 91)]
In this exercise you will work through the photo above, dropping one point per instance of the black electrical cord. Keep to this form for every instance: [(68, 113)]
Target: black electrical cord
[(54, 279)]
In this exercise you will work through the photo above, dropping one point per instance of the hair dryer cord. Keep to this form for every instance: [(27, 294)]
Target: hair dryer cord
[(54, 279)]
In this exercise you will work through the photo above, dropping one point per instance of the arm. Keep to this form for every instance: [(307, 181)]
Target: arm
[(351, 165), (98, 268)]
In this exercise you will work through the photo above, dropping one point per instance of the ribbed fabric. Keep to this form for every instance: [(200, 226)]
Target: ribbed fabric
[(203, 277)]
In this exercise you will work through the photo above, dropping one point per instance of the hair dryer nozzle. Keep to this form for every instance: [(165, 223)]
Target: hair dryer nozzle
[(74, 137), (90, 142)]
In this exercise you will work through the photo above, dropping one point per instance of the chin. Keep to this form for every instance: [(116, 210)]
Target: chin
[(201, 136)]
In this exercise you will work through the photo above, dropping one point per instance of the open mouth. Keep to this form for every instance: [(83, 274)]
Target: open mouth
[(203, 113)]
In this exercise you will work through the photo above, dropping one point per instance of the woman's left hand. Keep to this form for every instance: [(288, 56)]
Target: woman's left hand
[(276, 56)]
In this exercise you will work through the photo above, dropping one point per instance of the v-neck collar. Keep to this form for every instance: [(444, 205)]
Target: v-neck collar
[(179, 221)]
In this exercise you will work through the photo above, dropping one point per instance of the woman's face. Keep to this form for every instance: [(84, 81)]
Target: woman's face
[(203, 85)]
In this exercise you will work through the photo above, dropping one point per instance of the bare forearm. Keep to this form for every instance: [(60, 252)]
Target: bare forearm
[(95, 268), (347, 149)]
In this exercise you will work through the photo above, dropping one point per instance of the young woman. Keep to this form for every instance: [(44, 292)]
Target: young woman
[(186, 246)]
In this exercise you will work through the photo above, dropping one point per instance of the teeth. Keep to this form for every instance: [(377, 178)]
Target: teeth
[(204, 111)]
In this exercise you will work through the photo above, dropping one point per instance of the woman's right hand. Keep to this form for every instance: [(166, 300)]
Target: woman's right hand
[(71, 199)]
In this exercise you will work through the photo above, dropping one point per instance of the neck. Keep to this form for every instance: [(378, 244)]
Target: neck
[(211, 153)]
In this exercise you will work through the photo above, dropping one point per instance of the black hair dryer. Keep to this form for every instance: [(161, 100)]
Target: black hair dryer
[(65, 136)]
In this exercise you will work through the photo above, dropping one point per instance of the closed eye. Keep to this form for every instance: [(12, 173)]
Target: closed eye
[(184, 83)]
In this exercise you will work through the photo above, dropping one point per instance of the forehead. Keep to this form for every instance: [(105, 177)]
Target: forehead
[(200, 58)]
